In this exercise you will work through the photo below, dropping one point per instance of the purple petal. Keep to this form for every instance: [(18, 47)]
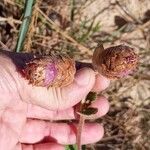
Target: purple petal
[(50, 74), (125, 73)]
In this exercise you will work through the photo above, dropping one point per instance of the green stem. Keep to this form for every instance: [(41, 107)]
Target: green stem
[(25, 24)]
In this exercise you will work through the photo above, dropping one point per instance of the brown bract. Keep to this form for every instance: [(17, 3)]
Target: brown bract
[(65, 71), (115, 62), (50, 71)]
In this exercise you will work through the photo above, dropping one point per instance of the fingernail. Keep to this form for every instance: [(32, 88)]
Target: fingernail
[(83, 76)]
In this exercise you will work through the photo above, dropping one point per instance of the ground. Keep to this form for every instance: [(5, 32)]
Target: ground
[(76, 29)]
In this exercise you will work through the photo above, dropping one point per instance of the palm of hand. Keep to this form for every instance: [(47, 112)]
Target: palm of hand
[(22, 111)]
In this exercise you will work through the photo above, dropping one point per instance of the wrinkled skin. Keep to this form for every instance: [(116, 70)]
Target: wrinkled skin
[(25, 110)]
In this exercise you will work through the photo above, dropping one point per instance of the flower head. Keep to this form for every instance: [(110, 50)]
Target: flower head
[(50, 71), (115, 62)]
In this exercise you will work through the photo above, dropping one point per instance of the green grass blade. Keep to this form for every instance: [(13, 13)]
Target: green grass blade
[(25, 24), (74, 147), (71, 147)]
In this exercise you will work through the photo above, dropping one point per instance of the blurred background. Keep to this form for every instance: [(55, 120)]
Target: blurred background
[(76, 27)]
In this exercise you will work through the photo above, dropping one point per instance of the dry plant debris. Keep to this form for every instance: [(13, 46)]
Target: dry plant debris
[(111, 22)]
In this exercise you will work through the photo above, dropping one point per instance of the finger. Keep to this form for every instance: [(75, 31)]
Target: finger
[(103, 107), (7, 135), (40, 113), (36, 130), (37, 112), (44, 146), (11, 123), (61, 98), (101, 83), (73, 94), (17, 147)]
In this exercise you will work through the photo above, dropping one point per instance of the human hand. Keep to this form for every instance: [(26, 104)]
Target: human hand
[(25, 110)]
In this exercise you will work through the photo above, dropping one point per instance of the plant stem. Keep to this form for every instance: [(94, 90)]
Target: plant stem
[(80, 126), (25, 24), (85, 105), (79, 132)]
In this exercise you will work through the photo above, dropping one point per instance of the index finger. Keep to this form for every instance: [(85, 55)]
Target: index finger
[(101, 83)]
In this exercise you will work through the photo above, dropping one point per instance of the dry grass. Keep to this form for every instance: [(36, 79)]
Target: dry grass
[(75, 27)]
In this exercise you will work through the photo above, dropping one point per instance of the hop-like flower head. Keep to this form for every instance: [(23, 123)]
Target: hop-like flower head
[(50, 71), (115, 62)]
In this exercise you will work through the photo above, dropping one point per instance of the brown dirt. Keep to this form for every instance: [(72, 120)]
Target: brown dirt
[(112, 22)]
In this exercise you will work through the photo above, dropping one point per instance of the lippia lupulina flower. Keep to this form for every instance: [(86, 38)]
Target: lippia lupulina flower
[(115, 62), (59, 70), (50, 71)]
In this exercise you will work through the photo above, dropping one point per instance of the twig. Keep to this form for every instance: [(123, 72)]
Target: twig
[(112, 137), (4, 46), (13, 3), (10, 20), (58, 29), (80, 127), (128, 13)]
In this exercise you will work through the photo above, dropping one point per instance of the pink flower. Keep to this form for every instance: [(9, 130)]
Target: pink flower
[(115, 62)]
